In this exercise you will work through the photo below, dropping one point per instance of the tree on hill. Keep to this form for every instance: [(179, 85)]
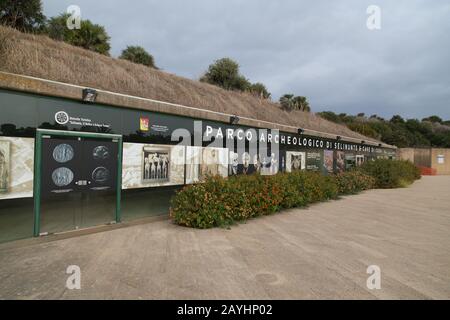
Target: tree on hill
[(397, 119), (90, 36), (225, 74), (24, 15), (364, 129), (433, 119), (397, 131), (375, 117), (330, 116), (287, 102), (302, 103), (260, 90), (138, 55), (291, 102)]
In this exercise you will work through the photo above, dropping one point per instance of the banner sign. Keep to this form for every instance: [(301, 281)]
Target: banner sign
[(283, 139)]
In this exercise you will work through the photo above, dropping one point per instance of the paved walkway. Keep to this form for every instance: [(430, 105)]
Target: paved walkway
[(321, 252)]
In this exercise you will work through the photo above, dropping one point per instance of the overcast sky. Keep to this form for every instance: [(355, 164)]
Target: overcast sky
[(319, 49)]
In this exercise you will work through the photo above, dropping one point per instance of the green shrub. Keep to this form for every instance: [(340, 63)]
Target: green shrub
[(391, 173), (139, 55), (220, 202), (294, 194), (354, 182), (201, 206)]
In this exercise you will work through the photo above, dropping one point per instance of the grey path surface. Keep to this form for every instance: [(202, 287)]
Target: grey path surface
[(320, 252)]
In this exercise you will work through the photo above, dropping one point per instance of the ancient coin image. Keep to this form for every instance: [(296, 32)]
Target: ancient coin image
[(62, 177), (100, 153), (100, 175), (63, 153)]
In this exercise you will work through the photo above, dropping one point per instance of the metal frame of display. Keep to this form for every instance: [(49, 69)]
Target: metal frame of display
[(38, 162)]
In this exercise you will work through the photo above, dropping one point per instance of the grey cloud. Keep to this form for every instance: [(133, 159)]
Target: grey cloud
[(320, 49)]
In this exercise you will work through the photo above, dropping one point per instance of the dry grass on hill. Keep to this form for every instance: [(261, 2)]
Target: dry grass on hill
[(40, 56)]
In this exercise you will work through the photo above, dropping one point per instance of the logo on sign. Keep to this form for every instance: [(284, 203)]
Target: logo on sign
[(144, 123), (61, 117)]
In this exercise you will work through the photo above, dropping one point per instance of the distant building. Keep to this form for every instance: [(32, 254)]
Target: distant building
[(432, 161)]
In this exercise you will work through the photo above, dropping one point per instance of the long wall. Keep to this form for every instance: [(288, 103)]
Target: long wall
[(151, 170), (406, 154)]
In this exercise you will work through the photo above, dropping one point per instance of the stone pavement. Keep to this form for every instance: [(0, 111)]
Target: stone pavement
[(322, 252)]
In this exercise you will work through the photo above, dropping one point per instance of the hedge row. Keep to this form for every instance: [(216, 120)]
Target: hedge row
[(221, 202), (354, 182), (391, 173)]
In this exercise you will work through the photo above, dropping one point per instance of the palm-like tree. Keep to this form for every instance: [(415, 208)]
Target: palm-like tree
[(287, 102), (302, 104), (291, 102)]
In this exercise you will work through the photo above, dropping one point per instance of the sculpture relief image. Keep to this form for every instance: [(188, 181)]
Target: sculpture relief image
[(156, 164), (4, 166)]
